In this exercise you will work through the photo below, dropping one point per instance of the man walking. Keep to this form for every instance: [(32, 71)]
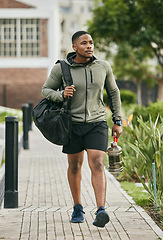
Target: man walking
[(89, 126)]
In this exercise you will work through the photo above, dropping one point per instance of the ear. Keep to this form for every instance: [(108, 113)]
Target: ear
[(74, 46)]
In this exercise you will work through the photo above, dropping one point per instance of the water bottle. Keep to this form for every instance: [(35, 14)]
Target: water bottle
[(115, 157)]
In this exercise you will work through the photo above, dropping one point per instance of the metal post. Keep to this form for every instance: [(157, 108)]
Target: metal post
[(25, 126), (11, 162), (154, 185), (30, 107)]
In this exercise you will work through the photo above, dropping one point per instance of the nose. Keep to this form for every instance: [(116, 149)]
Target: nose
[(89, 45)]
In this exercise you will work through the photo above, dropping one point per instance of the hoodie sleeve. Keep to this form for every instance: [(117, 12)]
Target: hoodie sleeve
[(113, 94), (53, 83)]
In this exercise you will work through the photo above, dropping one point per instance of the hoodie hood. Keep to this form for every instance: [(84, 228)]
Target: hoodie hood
[(70, 59)]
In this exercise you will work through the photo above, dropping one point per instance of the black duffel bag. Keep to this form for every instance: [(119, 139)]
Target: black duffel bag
[(53, 119)]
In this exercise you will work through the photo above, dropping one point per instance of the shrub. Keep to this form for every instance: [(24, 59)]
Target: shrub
[(153, 110), (141, 144), (127, 97), (105, 98), (140, 111)]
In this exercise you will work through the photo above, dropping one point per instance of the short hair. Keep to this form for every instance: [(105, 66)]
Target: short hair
[(78, 34)]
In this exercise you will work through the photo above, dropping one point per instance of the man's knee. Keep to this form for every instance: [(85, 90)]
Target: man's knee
[(97, 164), (75, 162), (75, 166)]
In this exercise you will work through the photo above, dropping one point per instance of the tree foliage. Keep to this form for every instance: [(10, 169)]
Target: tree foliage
[(132, 64), (137, 22), (133, 24)]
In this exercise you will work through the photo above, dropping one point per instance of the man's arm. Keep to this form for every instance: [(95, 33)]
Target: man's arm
[(114, 101), (52, 84)]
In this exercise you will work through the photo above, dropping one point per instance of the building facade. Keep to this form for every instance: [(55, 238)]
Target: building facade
[(29, 46), (33, 35), (74, 15)]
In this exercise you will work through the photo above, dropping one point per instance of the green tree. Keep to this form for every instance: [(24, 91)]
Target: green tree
[(131, 64), (133, 23)]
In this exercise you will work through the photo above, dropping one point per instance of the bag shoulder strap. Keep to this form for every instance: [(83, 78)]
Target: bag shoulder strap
[(68, 79), (66, 72)]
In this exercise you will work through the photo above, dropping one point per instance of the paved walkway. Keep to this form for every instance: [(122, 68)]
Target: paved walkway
[(45, 202)]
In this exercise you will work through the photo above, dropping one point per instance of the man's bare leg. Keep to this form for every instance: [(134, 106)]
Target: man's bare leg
[(75, 162), (96, 163)]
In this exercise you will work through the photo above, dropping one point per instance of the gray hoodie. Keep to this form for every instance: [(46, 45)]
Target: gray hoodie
[(87, 102)]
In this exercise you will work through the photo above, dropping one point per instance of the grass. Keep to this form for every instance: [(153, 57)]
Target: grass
[(8, 113), (20, 125), (2, 117), (140, 197), (143, 199), (3, 160)]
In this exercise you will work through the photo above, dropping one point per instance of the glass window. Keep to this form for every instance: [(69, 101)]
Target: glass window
[(20, 37), (7, 37), (82, 9), (30, 37), (65, 9), (73, 26)]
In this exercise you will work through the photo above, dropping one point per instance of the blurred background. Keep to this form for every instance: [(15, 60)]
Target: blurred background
[(35, 34)]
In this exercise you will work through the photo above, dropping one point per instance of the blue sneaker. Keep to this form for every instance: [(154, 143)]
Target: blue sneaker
[(77, 215), (102, 217)]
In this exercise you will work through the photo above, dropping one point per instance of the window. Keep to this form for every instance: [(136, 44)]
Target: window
[(65, 9), (7, 33), (20, 37), (82, 9), (30, 37), (73, 26), (7, 37)]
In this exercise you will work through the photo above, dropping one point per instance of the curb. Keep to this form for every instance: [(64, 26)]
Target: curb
[(139, 209)]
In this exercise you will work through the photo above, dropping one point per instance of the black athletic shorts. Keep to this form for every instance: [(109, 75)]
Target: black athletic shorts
[(87, 136)]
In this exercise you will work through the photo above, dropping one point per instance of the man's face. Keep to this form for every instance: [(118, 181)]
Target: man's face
[(84, 46)]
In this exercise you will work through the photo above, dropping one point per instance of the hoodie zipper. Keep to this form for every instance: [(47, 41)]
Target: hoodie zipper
[(86, 95)]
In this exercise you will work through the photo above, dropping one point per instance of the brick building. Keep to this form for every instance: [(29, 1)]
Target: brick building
[(29, 45)]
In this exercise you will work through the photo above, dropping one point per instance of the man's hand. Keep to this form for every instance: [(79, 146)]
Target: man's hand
[(116, 129), (69, 90)]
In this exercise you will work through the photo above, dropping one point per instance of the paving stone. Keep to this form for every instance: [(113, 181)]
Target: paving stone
[(46, 205)]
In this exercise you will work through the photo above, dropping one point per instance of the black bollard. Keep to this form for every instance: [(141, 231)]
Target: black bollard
[(25, 126), (30, 107), (11, 162)]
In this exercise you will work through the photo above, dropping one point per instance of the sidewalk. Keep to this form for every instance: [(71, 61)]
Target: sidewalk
[(45, 202)]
